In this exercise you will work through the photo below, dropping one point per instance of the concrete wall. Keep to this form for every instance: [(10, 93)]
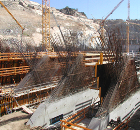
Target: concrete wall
[(66, 106), (127, 108), (124, 110)]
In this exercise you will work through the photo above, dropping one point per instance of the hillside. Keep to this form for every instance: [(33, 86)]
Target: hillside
[(120, 24), (29, 15), (73, 12)]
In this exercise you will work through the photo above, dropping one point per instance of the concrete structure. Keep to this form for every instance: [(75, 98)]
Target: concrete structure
[(127, 108), (65, 107), (124, 110)]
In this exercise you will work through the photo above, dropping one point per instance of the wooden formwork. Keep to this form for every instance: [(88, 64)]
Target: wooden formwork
[(36, 96), (10, 103), (12, 64), (14, 71)]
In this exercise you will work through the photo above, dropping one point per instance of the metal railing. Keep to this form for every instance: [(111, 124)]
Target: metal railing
[(123, 125), (30, 55), (76, 118), (71, 122)]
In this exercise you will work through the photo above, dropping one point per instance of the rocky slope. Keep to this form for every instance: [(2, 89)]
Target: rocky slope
[(76, 28), (134, 29)]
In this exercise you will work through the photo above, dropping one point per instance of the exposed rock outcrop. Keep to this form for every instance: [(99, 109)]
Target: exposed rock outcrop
[(73, 12)]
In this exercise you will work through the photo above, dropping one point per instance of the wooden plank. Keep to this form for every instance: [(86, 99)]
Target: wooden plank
[(90, 64), (92, 54), (27, 110), (94, 58)]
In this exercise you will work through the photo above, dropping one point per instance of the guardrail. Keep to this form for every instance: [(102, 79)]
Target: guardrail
[(72, 121), (30, 55), (123, 125), (9, 56), (69, 121)]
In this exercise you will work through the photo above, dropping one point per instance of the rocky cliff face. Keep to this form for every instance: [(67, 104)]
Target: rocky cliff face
[(76, 28)]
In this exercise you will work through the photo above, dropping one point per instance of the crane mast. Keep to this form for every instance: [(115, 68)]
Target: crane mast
[(128, 10), (46, 25), (127, 44)]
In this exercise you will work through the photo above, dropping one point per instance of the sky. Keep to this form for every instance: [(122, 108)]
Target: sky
[(99, 9)]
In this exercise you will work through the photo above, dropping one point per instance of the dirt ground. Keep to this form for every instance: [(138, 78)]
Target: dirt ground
[(14, 121)]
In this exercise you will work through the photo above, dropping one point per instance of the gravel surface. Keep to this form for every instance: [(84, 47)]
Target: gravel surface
[(14, 121)]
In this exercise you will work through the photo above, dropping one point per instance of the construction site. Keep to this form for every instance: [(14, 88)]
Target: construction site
[(81, 74)]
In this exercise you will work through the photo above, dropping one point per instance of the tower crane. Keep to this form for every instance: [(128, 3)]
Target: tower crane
[(103, 21), (127, 44), (46, 25)]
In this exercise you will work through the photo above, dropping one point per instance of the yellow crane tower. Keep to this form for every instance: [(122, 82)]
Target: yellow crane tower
[(46, 45), (127, 44)]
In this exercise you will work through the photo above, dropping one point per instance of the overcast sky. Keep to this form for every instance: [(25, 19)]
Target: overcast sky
[(100, 8)]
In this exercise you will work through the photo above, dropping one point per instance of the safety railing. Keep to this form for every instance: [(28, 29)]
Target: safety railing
[(11, 56), (123, 125), (71, 122), (63, 126), (76, 118), (14, 70), (30, 55)]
